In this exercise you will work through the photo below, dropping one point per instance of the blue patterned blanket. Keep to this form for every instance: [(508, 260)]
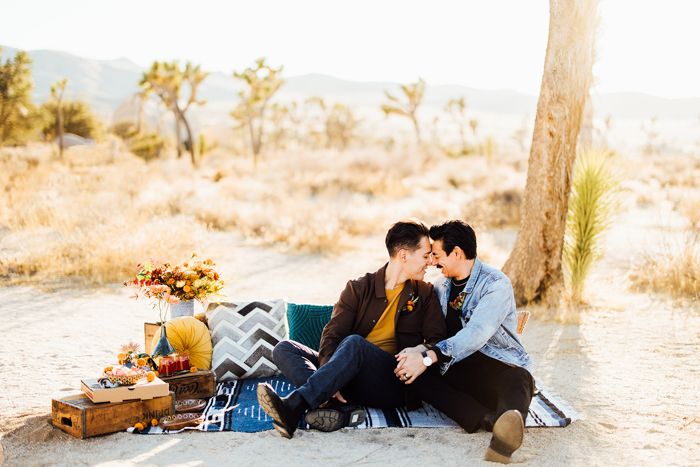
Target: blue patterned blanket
[(236, 408)]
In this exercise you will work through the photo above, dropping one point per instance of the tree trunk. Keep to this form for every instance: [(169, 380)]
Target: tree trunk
[(181, 117), (415, 125), (59, 112), (178, 136), (535, 264), (586, 138)]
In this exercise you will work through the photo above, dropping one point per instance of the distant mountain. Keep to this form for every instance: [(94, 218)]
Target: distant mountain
[(107, 84)]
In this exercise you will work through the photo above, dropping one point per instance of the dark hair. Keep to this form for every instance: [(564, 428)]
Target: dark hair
[(455, 233), (405, 234)]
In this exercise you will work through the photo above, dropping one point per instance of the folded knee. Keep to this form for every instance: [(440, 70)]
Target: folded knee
[(353, 340), (283, 347)]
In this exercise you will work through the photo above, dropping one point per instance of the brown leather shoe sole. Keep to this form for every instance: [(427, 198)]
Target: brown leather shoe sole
[(267, 403), (508, 434)]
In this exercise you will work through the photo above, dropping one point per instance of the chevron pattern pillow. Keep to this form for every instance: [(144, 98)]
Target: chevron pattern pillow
[(243, 335)]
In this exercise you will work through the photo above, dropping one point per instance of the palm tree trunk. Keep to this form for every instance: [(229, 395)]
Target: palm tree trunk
[(535, 264)]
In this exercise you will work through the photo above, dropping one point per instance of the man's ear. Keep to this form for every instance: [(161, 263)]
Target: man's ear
[(459, 253), (402, 255)]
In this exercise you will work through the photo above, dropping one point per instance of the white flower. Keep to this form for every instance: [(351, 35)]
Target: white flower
[(198, 283), (180, 284)]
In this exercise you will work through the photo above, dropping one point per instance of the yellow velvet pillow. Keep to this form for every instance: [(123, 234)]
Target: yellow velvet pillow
[(188, 334)]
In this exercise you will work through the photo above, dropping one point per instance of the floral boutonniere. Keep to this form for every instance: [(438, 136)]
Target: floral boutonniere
[(458, 302), (412, 300)]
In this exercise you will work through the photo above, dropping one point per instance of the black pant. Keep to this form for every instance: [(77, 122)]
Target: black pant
[(474, 386)]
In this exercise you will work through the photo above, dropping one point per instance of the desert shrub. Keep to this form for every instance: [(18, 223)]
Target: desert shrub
[(83, 218), (500, 208), (674, 267), (78, 118), (147, 147), (594, 201), (124, 130)]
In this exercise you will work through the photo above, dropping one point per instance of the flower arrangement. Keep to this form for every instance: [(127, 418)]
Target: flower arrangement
[(458, 302), (412, 301), (172, 284)]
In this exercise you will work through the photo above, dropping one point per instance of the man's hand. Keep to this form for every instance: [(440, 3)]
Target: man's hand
[(417, 349), (338, 396), (410, 366)]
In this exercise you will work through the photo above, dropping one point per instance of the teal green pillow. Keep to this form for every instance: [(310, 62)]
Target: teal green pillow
[(306, 323)]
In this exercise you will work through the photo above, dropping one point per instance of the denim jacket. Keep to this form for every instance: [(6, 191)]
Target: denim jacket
[(488, 319)]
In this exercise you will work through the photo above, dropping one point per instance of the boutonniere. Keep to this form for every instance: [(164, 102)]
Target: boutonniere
[(458, 302), (412, 300)]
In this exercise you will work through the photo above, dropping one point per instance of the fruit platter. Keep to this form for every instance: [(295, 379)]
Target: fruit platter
[(133, 367)]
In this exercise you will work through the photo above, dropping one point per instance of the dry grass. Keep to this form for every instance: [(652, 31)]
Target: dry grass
[(96, 214), (82, 217), (674, 267)]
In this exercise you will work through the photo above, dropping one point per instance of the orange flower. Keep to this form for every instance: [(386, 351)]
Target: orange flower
[(188, 282), (154, 422), (139, 426), (193, 369), (171, 281), (150, 376), (140, 362), (187, 288)]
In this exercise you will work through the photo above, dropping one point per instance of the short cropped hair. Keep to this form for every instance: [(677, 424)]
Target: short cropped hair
[(405, 234), (455, 233)]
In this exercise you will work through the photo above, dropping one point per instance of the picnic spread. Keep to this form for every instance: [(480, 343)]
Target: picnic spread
[(201, 372)]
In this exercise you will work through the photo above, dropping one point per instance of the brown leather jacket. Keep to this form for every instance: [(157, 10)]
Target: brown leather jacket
[(364, 300)]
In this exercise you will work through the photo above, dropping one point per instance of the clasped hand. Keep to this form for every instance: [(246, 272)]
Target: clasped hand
[(410, 364)]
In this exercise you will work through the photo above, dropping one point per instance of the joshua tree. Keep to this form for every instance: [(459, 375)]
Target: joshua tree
[(57, 90), (474, 124), (15, 93), (535, 264), (262, 81), (165, 80), (414, 94), (456, 108)]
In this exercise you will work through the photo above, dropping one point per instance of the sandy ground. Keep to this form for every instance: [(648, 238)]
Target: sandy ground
[(631, 367)]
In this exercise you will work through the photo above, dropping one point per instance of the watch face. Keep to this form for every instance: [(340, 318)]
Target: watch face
[(427, 361)]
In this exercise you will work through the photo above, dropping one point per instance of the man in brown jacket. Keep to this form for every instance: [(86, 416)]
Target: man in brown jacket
[(377, 316)]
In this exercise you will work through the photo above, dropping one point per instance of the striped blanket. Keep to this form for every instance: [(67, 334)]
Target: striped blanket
[(236, 408)]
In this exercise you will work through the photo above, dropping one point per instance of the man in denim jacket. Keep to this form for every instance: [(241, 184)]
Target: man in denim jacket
[(484, 378)]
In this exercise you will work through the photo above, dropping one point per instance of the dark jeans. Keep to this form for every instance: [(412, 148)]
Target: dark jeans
[(361, 371), (474, 386)]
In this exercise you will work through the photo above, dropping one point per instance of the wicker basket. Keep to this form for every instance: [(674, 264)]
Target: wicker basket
[(124, 380)]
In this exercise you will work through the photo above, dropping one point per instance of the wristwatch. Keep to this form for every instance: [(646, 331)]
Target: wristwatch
[(427, 361)]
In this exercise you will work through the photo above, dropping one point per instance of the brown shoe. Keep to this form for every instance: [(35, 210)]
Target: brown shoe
[(508, 434)]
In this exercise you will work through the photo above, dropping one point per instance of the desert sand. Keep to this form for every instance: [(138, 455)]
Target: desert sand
[(630, 365)]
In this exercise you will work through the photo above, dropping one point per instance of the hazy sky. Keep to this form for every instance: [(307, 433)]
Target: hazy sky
[(647, 46)]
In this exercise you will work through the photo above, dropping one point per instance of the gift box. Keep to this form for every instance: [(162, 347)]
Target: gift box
[(77, 415), (142, 390)]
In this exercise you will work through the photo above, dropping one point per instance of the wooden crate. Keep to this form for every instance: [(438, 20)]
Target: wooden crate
[(77, 415), (199, 385)]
